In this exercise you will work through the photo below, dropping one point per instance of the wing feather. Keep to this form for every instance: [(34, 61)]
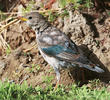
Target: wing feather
[(61, 52)]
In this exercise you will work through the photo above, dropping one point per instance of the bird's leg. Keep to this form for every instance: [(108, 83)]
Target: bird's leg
[(57, 83), (57, 76)]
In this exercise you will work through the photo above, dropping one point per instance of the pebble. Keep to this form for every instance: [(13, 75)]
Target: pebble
[(2, 66)]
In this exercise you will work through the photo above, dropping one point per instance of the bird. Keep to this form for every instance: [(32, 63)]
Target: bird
[(56, 47)]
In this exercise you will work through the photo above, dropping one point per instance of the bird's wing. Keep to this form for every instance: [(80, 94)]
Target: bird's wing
[(62, 52), (67, 54)]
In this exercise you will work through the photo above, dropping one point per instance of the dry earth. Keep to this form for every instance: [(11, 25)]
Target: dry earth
[(25, 62)]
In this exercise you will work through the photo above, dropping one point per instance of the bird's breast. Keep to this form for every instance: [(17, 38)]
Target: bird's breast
[(51, 60)]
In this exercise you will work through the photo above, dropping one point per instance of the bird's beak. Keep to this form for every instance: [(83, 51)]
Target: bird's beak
[(23, 19)]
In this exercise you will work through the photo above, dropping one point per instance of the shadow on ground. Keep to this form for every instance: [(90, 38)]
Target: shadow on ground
[(83, 75)]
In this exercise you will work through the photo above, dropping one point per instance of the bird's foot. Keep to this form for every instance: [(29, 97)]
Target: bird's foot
[(57, 84)]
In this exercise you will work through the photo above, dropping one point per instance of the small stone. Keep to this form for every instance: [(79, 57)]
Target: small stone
[(0, 52), (2, 66)]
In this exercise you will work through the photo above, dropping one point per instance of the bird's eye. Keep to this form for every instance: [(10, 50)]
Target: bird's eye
[(30, 17)]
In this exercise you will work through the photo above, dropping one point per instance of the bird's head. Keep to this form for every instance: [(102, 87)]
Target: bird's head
[(33, 19)]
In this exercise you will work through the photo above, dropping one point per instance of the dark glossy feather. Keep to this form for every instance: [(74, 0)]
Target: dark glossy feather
[(61, 52)]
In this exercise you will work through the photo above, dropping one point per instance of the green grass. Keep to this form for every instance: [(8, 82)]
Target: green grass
[(76, 3), (2, 16), (12, 91), (8, 50)]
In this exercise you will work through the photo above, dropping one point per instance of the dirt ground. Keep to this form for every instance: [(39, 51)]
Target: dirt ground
[(24, 62)]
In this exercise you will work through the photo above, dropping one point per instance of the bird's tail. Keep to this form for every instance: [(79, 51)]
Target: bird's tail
[(94, 68)]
